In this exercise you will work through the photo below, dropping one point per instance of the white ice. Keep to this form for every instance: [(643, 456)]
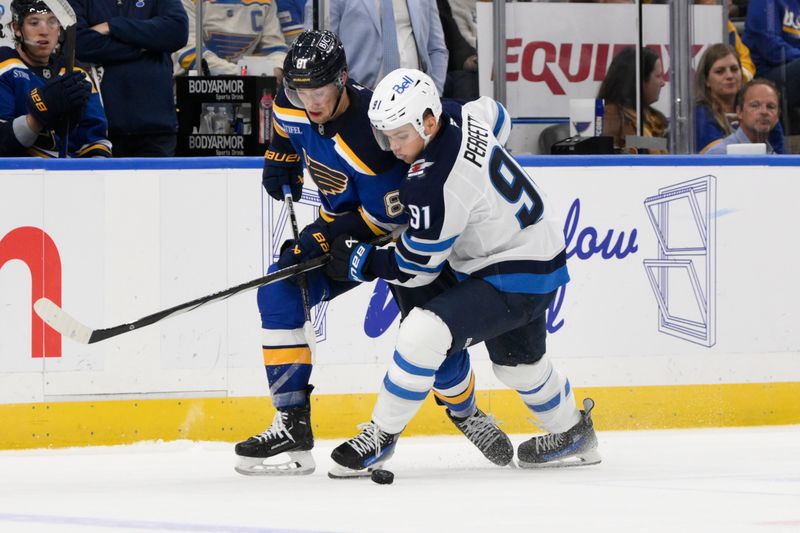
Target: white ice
[(717, 480)]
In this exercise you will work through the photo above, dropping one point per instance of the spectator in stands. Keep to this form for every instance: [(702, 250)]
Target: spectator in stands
[(233, 29), (133, 41), (758, 109), (290, 16), (619, 92), (747, 66), (718, 80), (772, 32), (415, 40), (462, 68), (38, 99)]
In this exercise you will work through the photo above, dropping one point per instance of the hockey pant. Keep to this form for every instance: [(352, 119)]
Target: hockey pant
[(287, 356), (513, 326)]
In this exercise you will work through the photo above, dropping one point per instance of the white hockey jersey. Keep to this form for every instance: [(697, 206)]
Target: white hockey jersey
[(232, 29), (471, 204)]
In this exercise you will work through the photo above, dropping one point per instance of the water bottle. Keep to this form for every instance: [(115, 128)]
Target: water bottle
[(599, 114), (207, 121), (222, 122)]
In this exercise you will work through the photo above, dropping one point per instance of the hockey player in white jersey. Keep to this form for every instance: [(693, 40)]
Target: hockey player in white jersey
[(472, 206)]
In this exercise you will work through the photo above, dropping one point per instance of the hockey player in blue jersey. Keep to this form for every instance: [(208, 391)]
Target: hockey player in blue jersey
[(38, 97), (319, 122), (473, 207)]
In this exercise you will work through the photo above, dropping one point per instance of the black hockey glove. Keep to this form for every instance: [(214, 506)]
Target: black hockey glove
[(274, 177), (59, 98), (349, 260), (314, 241)]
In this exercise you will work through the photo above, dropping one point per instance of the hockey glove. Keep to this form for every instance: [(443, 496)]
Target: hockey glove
[(59, 98), (349, 260), (313, 241), (274, 177)]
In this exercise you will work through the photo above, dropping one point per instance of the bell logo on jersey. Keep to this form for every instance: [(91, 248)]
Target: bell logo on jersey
[(418, 167), (400, 88)]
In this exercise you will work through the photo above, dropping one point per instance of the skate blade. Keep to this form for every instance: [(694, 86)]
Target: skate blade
[(590, 457), (342, 472), (299, 464)]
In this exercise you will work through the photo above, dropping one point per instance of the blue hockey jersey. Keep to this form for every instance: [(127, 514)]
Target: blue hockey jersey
[(17, 80), (343, 159)]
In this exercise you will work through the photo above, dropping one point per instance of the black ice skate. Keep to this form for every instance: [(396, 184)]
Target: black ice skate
[(289, 433), (362, 454), (575, 447), (483, 432)]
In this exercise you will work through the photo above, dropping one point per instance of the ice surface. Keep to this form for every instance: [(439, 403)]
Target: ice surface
[(721, 480)]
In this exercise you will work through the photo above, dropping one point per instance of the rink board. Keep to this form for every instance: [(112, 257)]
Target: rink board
[(681, 311)]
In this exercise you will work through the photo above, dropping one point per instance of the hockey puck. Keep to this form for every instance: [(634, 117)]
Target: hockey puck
[(382, 477)]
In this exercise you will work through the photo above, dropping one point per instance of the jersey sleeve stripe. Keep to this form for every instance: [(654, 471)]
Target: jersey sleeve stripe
[(348, 155), (9, 64), (289, 115), (371, 222), (279, 129), (415, 268), (427, 247), (325, 216), (412, 256), (186, 59), (501, 119)]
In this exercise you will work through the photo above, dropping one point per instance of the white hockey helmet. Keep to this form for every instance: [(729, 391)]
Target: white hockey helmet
[(401, 98)]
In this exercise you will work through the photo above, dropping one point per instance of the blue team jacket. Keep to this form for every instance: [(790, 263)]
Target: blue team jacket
[(136, 59), (772, 32), (87, 138)]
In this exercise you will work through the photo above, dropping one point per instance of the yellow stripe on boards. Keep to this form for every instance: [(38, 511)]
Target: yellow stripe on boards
[(43, 425)]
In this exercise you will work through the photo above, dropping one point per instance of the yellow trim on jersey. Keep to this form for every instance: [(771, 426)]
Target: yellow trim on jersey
[(10, 63), (325, 216), (278, 129), (793, 31), (186, 62), (287, 356), (460, 397), (292, 115), (352, 156), (96, 146), (37, 152), (367, 220), (709, 145)]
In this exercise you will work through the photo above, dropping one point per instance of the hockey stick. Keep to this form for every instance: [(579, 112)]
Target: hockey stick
[(68, 20), (308, 326), (68, 326)]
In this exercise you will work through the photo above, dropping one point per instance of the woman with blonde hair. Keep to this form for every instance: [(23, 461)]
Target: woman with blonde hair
[(718, 79)]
